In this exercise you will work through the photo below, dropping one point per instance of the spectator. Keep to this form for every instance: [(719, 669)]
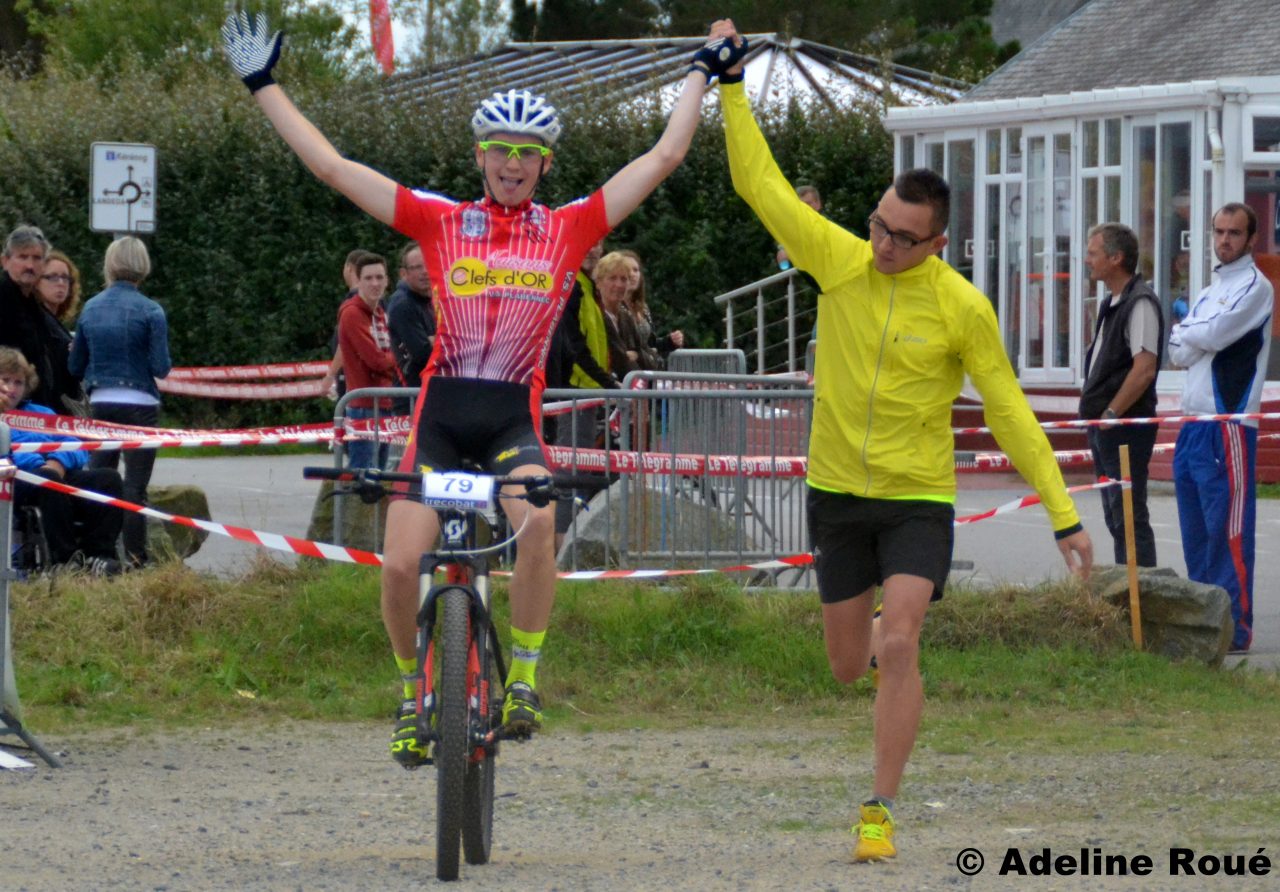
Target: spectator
[(334, 382), (121, 347), (59, 293), (81, 534), (59, 287), (365, 345), (1120, 380), (614, 280), (579, 358), (810, 196), (21, 318), (579, 352), (1223, 344), (654, 350), (411, 321)]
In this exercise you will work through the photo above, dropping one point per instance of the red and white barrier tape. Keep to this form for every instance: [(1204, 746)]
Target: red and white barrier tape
[(1117, 422), (294, 390), (273, 541), (328, 551), (248, 372)]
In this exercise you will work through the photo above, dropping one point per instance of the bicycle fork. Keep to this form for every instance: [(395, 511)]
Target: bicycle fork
[(482, 651)]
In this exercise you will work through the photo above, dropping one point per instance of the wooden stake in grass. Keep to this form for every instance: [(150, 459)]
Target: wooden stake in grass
[(1130, 550)]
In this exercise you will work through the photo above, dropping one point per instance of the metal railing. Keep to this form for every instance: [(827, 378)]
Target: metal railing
[(771, 320), (696, 470)]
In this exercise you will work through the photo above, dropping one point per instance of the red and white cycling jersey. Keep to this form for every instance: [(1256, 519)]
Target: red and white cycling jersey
[(500, 278)]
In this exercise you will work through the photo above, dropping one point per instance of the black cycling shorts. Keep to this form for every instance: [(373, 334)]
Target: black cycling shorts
[(858, 543), (462, 420)]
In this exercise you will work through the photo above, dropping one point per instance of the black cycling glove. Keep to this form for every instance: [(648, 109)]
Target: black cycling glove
[(718, 56)]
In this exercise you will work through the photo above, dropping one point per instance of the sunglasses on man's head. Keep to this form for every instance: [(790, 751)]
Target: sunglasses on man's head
[(496, 148)]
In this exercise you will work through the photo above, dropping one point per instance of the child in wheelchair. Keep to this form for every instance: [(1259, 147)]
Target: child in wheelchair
[(67, 531)]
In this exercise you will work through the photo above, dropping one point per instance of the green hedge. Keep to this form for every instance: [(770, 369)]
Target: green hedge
[(248, 247)]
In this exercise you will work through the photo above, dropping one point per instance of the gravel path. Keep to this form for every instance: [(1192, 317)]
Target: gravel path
[(320, 807)]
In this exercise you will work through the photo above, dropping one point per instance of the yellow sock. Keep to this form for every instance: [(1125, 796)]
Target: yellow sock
[(526, 647), (408, 674)]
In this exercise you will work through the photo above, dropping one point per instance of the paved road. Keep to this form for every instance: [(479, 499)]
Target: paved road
[(269, 495)]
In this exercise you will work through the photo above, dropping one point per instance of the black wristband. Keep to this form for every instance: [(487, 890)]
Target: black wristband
[(258, 80), (1059, 535)]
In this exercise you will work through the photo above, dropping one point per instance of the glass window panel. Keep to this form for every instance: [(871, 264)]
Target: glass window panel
[(1261, 190), (1090, 216), (1013, 150), (907, 149), (1173, 260), (1111, 156), (992, 240), (935, 158), (1144, 152), (1062, 272), (1013, 272), (993, 151), (1037, 262), (1266, 134), (960, 247), (1090, 144), (1111, 197)]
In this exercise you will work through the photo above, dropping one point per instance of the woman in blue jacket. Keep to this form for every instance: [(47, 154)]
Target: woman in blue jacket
[(121, 347)]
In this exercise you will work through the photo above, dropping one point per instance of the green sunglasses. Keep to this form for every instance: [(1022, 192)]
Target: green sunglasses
[(524, 151)]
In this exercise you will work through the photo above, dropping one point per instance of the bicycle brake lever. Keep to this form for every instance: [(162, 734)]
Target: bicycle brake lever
[(370, 493)]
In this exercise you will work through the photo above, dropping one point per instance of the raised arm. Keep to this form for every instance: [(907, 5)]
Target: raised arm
[(628, 187), (253, 52)]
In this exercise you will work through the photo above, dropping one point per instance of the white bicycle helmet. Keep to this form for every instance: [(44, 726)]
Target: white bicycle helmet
[(516, 111)]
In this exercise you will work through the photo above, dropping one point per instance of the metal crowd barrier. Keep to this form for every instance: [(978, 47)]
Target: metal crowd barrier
[(696, 488), (684, 462)]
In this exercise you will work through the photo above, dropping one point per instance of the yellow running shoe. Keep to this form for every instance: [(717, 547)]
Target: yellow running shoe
[(874, 832)]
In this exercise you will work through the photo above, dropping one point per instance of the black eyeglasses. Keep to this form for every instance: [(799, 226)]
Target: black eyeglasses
[(57, 277), (900, 239)]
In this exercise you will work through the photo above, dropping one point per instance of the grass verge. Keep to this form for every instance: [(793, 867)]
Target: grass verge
[(1049, 666)]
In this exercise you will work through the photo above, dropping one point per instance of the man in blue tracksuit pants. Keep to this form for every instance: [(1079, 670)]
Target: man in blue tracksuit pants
[(1223, 343)]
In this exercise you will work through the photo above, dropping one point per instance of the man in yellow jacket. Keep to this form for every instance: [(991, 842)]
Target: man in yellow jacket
[(899, 329)]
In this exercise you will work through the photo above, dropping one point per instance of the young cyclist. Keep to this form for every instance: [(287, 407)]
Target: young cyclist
[(504, 267)]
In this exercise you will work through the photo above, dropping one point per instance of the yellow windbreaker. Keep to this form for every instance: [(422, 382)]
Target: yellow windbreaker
[(892, 352)]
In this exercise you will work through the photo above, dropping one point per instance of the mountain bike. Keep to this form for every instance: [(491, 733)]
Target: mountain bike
[(461, 666)]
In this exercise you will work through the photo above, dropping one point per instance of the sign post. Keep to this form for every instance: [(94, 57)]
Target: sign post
[(122, 188)]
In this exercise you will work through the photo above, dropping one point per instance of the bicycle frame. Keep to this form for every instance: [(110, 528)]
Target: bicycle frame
[(469, 572)]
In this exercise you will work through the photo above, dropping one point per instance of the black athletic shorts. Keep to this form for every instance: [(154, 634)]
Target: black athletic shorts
[(462, 420), (858, 543)]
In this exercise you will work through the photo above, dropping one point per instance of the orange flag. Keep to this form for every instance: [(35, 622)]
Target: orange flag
[(384, 49)]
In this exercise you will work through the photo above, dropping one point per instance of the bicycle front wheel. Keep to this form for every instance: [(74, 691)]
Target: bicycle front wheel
[(477, 816), (453, 729)]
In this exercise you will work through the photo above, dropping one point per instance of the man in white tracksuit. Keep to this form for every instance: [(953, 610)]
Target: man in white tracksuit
[(1223, 343)]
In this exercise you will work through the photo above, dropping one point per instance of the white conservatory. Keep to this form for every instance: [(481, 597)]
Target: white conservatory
[(1031, 172)]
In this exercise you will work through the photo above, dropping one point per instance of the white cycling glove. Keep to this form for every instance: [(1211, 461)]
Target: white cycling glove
[(250, 49)]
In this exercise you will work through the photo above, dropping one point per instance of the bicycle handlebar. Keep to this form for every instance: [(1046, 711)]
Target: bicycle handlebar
[(540, 490)]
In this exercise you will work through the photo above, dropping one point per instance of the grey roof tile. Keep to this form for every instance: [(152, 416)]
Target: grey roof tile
[(1123, 43)]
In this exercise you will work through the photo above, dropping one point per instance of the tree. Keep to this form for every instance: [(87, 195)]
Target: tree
[(587, 19), (100, 35), (17, 46), (946, 36), (453, 29)]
